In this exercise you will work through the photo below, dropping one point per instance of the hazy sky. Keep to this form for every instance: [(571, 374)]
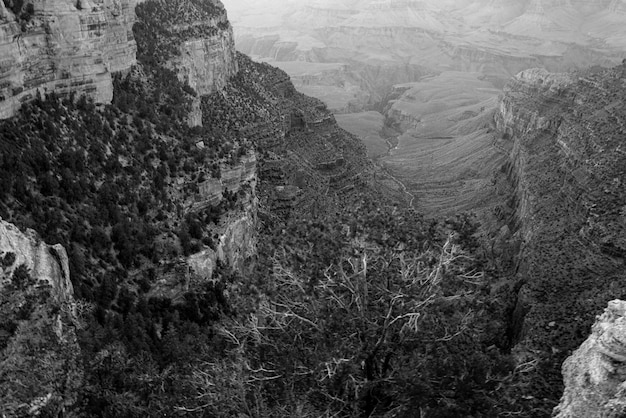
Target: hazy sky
[(571, 21)]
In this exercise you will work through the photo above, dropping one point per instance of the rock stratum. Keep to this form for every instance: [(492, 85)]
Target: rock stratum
[(70, 47), (160, 207), (594, 373), (567, 212), (65, 47)]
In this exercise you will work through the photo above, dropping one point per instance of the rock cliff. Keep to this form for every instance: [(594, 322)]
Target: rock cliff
[(236, 235), (75, 47), (39, 353), (195, 40), (566, 211), (595, 374), (236, 243), (206, 63), (45, 262), (63, 46)]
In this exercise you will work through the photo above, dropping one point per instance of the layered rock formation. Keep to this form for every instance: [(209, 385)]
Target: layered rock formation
[(75, 47), (566, 212), (445, 155), (195, 40), (595, 374), (206, 63), (65, 47), (232, 179), (48, 263), (497, 40), (236, 235), (236, 243)]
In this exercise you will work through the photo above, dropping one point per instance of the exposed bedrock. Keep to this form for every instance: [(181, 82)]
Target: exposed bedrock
[(45, 262), (567, 211), (207, 63), (64, 46), (595, 374)]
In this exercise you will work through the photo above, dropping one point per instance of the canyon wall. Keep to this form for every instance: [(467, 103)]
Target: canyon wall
[(567, 212), (236, 242), (207, 62), (63, 46), (76, 46)]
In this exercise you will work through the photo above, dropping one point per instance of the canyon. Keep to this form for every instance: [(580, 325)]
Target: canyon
[(360, 58), (254, 176)]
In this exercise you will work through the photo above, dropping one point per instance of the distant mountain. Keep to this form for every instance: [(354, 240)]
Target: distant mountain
[(496, 38)]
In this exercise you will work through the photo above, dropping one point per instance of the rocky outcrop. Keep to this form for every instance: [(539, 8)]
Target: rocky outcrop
[(205, 58), (40, 366), (63, 46), (595, 374), (237, 242), (232, 179), (47, 263), (529, 88), (207, 63)]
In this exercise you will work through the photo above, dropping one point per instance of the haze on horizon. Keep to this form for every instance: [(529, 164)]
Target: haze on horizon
[(432, 69), (495, 38)]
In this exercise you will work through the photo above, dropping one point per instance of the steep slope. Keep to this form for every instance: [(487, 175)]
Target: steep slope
[(593, 377), (63, 46), (567, 213), (76, 47), (240, 255), (39, 355)]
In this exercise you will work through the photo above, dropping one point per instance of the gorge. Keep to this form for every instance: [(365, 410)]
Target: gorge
[(219, 246)]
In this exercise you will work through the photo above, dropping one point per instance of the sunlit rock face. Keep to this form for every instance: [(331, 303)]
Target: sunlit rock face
[(207, 61), (45, 262), (595, 374), (64, 46), (237, 233), (237, 242), (38, 343)]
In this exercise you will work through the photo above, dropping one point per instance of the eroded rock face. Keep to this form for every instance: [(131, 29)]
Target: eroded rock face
[(237, 243), (232, 179), (64, 46), (566, 135), (207, 63), (595, 374), (237, 233), (45, 262), (38, 343), (520, 108)]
